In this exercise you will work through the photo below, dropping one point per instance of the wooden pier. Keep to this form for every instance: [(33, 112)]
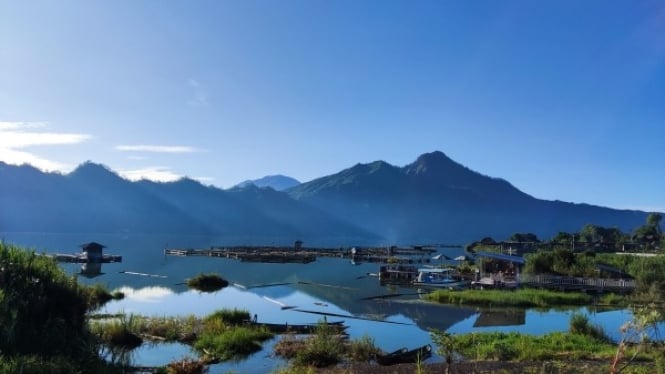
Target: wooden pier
[(269, 254), (559, 283), (563, 283)]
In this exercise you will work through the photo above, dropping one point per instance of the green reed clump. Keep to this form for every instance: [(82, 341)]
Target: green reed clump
[(231, 342), (324, 348), (363, 349), (119, 332), (207, 282), (520, 298), (229, 316), (183, 329)]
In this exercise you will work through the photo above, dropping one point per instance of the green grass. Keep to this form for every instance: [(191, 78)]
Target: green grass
[(119, 332), (183, 329), (207, 282), (232, 342), (229, 316), (517, 298), (518, 347)]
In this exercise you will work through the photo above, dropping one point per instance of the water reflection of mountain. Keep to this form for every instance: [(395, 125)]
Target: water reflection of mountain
[(500, 317)]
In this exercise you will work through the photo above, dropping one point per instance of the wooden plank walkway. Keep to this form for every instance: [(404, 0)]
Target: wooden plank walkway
[(578, 283), (306, 255)]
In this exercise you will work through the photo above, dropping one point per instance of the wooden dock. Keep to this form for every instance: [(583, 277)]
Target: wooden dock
[(82, 259), (395, 255), (563, 283), (559, 283)]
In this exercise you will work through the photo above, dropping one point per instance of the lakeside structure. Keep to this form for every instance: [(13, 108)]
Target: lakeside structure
[(91, 252)]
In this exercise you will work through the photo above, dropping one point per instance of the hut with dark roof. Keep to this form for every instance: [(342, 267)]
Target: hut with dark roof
[(93, 251)]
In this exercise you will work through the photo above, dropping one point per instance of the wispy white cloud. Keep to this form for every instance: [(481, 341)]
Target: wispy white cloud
[(199, 96), (16, 136), (153, 173), (158, 148)]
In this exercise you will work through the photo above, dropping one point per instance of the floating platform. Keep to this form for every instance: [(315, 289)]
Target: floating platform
[(394, 255), (80, 258)]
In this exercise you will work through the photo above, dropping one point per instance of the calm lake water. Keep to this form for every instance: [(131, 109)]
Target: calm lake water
[(327, 285)]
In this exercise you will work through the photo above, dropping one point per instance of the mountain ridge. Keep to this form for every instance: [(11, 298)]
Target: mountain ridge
[(433, 199)]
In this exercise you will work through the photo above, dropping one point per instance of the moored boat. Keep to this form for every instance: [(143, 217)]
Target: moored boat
[(438, 278), (405, 356)]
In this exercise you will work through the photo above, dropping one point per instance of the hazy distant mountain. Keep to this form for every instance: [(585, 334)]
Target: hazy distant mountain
[(276, 182), (94, 199), (432, 200), (435, 199)]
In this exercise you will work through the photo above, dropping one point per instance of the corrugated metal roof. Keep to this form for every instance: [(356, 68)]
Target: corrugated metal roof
[(501, 257)]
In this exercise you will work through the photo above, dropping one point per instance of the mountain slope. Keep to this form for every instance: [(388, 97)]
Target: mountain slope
[(436, 199), (93, 199)]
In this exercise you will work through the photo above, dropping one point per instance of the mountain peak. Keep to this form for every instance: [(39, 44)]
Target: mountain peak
[(277, 182), (433, 161), (91, 169)]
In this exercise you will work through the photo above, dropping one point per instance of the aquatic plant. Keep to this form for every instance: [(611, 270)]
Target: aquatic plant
[(207, 282), (229, 316), (522, 298)]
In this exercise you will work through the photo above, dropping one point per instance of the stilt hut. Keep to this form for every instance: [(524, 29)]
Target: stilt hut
[(93, 251)]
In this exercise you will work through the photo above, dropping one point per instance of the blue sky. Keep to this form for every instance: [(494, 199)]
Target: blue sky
[(564, 99)]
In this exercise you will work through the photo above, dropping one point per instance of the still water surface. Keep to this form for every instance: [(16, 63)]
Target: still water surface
[(327, 285)]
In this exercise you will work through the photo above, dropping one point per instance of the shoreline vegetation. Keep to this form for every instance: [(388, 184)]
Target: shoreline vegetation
[(525, 297), (47, 322)]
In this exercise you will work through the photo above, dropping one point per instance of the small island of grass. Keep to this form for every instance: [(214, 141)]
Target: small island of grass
[(207, 282)]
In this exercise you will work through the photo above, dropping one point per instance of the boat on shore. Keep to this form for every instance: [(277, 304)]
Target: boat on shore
[(438, 278), (405, 356)]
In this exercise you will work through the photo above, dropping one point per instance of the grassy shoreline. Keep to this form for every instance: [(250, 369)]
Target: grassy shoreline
[(520, 298)]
